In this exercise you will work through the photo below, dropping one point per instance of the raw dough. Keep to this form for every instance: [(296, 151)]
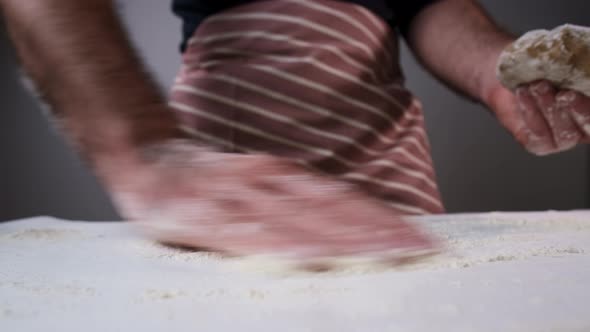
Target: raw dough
[(561, 56)]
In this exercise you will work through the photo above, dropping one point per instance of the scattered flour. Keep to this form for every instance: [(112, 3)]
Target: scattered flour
[(45, 234), (6, 312), (57, 290), (529, 269), (470, 241), (159, 294)]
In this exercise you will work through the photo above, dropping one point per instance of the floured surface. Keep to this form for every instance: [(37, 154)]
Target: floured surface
[(503, 272)]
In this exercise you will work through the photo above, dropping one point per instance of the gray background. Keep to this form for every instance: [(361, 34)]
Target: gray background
[(479, 166)]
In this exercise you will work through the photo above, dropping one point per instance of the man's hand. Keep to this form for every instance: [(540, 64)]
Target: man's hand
[(84, 66), (255, 204), (543, 118)]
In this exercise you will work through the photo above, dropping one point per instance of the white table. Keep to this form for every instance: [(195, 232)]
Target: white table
[(503, 272)]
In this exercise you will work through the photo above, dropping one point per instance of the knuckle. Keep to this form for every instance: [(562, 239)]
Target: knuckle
[(567, 98), (581, 116), (541, 89)]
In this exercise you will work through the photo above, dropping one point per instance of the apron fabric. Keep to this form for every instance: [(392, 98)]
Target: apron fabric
[(314, 81)]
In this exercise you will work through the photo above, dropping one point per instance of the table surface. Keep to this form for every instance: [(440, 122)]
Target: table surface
[(502, 272)]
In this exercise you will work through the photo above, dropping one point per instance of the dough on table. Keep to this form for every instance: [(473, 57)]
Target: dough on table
[(561, 56)]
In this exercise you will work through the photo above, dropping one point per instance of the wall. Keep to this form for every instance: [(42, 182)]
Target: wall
[(39, 174), (479, 167)]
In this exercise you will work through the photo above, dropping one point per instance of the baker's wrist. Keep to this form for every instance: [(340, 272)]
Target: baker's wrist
[(488, 83)]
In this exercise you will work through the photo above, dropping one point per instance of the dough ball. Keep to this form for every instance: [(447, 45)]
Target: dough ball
[(561, 56)]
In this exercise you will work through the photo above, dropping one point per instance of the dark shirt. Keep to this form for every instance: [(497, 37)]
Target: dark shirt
[(398, 14)]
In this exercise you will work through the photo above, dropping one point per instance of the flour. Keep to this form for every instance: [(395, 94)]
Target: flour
[(498, 237), (529, 269), (40, 234), (59, 290), (469, 241), (561, 56), (158, 294), (5, 312), (154, 250)]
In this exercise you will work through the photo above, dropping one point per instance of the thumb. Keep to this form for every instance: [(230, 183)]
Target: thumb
[(505, 106)]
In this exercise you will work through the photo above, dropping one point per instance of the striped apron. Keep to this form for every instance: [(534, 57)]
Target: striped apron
[(314, 81)]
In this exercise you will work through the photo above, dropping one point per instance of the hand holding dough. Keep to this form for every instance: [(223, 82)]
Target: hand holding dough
[(561, 56), (549, 75)]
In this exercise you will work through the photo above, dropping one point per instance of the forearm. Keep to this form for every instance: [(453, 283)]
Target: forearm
[(459, 43), (83, 66)]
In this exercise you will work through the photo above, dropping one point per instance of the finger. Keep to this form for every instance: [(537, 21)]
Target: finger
[(237, 236), (507, 111), (578, 106), (532, 113), (292, 242), (564, 130), (346, 223), (363, 226), (278, 229), (539, 139)]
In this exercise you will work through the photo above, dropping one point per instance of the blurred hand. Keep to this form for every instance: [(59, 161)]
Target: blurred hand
[(255, 204), (542, 118)]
